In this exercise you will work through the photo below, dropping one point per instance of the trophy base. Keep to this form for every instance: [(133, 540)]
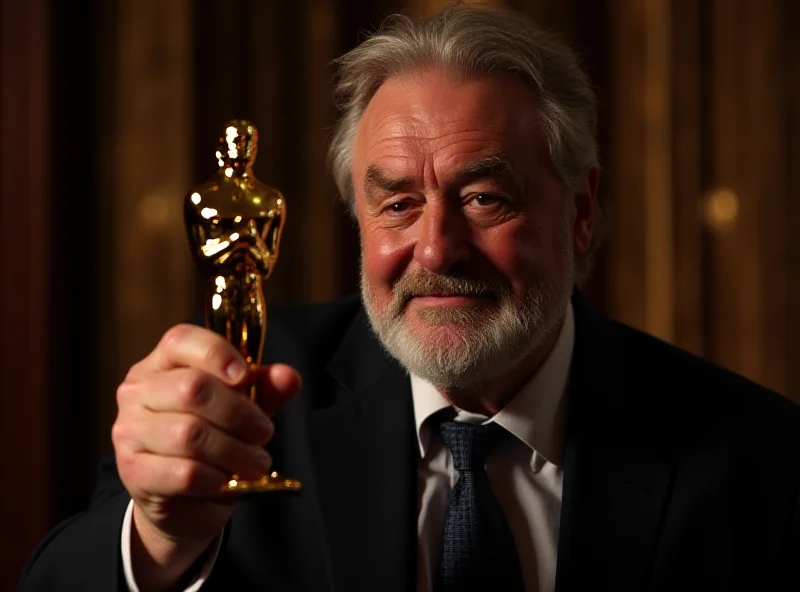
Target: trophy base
[(267, 483)]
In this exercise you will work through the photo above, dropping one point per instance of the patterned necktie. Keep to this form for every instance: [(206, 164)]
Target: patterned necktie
[(479, 551)]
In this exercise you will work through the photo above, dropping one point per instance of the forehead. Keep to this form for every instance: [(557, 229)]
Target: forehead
[(433, 113)]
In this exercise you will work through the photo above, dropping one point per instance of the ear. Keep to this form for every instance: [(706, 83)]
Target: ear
[(585, 210)]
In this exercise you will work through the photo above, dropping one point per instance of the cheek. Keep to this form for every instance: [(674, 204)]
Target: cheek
[(524, 255), (385, 256)]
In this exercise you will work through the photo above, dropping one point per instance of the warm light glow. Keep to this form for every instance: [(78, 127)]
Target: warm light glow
[(154, 210), (220, 282), (229, 172), (721, 209), (216, 301), (220, 162), (235, 236), (213, 246), (237, 219), (208, 213), (218, 154), (256, 200), (230, 136), (195, 198), (280, 201)]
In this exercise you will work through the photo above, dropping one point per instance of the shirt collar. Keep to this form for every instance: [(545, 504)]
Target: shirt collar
[(534, 415)]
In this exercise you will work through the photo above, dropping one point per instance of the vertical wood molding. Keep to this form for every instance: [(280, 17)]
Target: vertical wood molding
[(640, 217), (323, 243), (764, 155), (724, 292), (791, 23), (626, 165), (748, 293), (687, 174), (24, 188), (152, 274), (657, 191)]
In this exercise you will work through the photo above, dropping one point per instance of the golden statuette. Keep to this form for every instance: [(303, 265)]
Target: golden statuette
[(234, 225)]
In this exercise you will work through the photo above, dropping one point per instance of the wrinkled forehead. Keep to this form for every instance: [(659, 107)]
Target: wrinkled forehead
[(437, 96), (426, 112)]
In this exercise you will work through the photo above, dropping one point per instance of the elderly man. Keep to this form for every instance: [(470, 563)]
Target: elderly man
[(469, 423)]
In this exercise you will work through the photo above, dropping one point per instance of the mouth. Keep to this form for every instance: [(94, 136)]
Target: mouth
[(450, 300)]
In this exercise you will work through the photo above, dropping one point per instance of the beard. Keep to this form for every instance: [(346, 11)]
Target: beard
[(461, 347)]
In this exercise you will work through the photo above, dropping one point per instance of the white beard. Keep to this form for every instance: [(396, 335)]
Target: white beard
[(460, 347)]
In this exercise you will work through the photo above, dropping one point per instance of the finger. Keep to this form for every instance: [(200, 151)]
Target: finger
[(188, 436), (187, 390), (276, 384), (194, 347), (154, 475)]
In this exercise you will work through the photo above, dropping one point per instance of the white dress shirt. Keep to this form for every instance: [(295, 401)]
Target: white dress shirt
[(525, 473)]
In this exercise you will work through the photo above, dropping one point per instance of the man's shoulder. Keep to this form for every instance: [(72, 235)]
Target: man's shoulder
[(690, 389), (665, 358), (309, 330), (319, 316)]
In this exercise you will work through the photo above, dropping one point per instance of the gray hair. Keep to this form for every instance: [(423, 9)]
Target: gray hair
[(474, 41)]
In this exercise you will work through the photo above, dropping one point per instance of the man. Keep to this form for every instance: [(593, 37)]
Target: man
[(511, 439)]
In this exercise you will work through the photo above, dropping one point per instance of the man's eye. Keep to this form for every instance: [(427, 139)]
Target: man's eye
[(486, 199), (399, 207)]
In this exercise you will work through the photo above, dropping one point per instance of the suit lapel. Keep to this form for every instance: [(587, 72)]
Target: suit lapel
[(365, 463), (616, 481)]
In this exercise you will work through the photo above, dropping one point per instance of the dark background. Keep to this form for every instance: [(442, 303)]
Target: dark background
[(110, 110)]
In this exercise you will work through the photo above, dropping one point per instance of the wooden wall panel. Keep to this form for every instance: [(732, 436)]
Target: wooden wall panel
[(747, 294), (150, 281), (640, 166), (791, 33), (323, 246), (702, 242), (763, 142), (658, 170), (725, 295), (688, 148), (25, 512)]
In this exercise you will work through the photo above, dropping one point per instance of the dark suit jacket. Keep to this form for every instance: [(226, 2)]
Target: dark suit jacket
[(678, 475)]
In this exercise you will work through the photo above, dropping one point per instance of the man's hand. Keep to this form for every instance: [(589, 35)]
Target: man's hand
[(183, 428)]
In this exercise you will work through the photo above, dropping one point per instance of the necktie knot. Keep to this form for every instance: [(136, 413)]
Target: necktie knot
[(469, 443)]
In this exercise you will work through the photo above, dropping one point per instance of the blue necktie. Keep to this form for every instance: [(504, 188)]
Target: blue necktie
[(479, 551)]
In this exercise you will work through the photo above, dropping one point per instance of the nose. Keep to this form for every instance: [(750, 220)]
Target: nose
[(443, 240)]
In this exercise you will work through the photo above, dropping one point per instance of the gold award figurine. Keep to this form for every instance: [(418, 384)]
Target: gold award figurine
[(234, 225)]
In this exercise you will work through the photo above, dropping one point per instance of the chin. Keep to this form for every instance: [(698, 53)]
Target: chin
[(459, 353), (463, 342), (466, 317)]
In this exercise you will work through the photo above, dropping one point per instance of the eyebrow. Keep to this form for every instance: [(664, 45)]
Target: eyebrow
[(375, 179), (492, 166)]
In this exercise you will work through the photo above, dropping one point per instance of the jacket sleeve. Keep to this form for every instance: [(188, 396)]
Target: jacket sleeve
[(83, 552)]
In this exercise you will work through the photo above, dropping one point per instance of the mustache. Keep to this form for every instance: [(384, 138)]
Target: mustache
[(428, 284)]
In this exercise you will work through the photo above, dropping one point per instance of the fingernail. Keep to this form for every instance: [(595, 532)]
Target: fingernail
[(236, 371)]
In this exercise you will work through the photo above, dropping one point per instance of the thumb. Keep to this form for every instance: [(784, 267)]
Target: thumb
[(276, 385)]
